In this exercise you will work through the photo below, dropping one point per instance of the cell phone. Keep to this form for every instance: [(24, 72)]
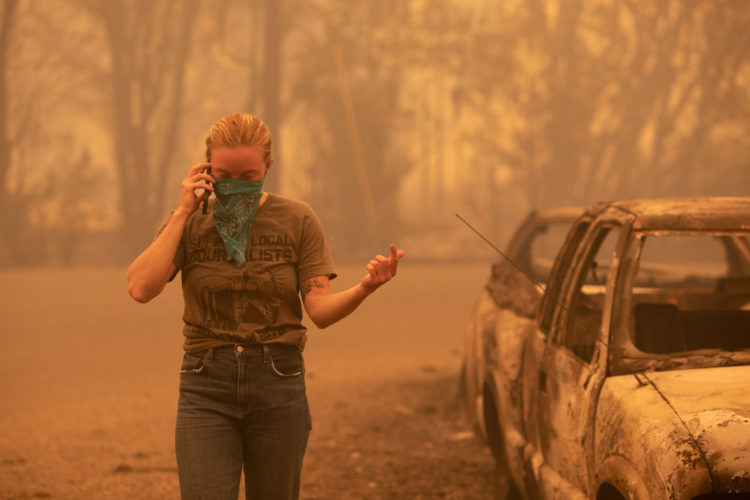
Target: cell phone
[(206, 193)]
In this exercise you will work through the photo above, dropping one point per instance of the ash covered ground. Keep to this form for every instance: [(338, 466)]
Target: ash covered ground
[(89, 390)]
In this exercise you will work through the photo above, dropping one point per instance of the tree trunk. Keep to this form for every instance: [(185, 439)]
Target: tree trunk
[(146, 130), (9, 11), (274, 31), (11, 249)]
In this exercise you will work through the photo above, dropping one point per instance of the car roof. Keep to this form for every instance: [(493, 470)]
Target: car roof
[(560, 214), (698, 213)]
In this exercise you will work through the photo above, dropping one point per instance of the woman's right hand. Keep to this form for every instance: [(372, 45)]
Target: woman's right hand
[(195, 179)]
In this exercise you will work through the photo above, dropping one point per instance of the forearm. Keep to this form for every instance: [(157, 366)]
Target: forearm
[(325, 310), (151, 270)]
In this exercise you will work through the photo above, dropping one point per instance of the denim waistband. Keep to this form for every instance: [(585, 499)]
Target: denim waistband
[(246, 351), (254, 349)]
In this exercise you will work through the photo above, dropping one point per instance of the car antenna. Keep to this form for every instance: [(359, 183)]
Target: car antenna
[(541, 287)]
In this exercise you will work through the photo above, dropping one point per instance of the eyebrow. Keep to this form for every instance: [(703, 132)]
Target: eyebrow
[(219, 171)]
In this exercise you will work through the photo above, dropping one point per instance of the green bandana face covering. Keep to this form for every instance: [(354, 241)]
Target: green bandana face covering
[(234, 210)]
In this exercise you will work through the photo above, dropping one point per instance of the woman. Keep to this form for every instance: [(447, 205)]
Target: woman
[(245, 260)]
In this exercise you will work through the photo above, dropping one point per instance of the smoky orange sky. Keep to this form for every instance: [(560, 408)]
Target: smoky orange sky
[(389, 117)]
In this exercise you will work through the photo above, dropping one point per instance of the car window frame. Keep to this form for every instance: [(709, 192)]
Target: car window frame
[(556, 281), (574, 280)]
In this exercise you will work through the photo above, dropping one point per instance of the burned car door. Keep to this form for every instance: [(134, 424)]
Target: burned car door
[(534, 345), (573, 365)]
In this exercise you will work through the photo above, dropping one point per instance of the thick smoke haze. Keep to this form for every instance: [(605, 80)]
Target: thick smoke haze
[(389, 117)]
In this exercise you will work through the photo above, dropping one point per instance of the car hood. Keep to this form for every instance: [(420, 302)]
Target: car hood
[(686, 432), (714, 405)]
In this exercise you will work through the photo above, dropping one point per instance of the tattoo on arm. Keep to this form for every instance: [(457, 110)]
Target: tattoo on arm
[(308, 285)]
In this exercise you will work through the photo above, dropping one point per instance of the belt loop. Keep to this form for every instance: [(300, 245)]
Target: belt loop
[(266, 353), (210, 354)]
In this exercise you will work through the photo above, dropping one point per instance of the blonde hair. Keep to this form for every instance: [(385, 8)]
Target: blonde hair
[(239, 129)]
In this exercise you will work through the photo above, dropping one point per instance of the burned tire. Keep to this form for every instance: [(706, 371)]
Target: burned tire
[(463, 406), (608, 492), (506, 488)]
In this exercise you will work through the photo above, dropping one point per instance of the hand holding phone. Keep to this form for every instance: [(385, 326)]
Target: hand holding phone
[(206, 193), (196, 187)]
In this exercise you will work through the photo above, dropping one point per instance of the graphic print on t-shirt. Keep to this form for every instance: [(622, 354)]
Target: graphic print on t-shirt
[(222, 303), (254, 297)]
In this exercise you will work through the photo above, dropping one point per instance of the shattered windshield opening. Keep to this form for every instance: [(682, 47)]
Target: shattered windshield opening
[(548, 238), (689, 303)]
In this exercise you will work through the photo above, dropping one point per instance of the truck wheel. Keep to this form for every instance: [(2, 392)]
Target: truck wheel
[(463, 406), (505, 488), (608, 492)]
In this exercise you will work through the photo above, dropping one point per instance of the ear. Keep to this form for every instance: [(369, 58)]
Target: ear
[(269, 163)]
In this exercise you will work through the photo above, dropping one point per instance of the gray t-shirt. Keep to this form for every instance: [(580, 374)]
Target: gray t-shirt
[(258, 302)]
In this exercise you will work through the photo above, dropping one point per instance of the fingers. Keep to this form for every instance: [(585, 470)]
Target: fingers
[(198, 168), (197, 183), (396, 254), (203, 180), (196, 186), (380, 269), (197, 178), (199, 172), (372, 274)]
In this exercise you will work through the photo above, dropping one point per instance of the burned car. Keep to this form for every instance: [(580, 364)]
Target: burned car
[(532, 247), (631, 378)]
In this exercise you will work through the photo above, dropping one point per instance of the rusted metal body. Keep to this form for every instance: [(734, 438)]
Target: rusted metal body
[(631, 379), (532, 247)]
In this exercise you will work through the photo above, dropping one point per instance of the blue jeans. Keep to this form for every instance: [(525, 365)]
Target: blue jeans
[(242, 405)]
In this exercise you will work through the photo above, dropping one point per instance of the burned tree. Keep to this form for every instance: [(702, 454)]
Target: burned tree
[(148, 45)]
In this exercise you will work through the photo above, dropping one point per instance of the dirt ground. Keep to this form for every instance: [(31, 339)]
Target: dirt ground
[(88, 388)]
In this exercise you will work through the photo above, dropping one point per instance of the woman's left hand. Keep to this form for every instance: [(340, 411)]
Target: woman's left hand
[(380, 270)]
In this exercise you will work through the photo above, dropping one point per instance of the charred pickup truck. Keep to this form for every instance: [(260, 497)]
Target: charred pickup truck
[(629, 378)]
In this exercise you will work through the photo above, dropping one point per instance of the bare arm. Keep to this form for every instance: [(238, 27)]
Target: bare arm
[(151, 270), (326, 308)]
